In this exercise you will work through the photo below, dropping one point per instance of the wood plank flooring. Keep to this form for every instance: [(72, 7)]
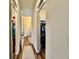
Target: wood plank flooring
[(30, 52)]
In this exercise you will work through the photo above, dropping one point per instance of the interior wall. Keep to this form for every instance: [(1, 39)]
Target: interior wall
[(34, 30), (34, 26), (10, 24), (27, 12), (27, 24), (17, 30), (57, 26)]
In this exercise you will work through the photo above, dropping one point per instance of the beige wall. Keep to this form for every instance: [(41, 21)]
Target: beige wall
[(27, 24), (34, 30), (18, 29), (57, 27), (27, 12), (34, 26)]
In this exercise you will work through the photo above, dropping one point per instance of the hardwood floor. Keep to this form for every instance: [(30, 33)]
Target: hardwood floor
[(41, 55), (30, 52)]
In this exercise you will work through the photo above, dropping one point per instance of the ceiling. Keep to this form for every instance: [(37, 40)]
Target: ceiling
[(28, 4)]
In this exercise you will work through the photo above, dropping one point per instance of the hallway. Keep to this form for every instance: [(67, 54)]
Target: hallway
[(28, 34), (45, 22)]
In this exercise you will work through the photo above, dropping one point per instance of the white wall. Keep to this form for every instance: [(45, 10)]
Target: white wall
[(34, 30), (57, 26), (34, 26), (27, 12), (17, 25)]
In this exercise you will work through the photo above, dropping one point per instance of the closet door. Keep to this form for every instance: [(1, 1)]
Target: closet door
[(42, 34)]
